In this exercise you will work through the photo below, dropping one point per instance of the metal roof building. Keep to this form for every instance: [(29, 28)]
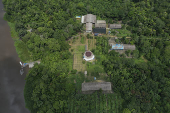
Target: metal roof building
[(93, 86), (88, 27), (123, 47), (117, 46), (129, 47), (98, 25), (90, 18), (115, 26), (101, 21), (99, 30)]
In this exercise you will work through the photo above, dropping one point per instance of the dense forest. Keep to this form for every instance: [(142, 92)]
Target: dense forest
[(139, 87)]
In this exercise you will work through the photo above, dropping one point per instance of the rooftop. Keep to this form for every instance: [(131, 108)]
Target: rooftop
[(88, 53), (91, 86)]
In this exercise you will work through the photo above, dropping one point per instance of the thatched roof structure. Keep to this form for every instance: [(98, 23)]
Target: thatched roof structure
[(115, 26), (101, 21), (88, 55), (90, 18), (88, 26), (98, 25), (91, 86), (129, 47)]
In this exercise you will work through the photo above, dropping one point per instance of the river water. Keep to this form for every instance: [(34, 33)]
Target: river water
[(11, 82)]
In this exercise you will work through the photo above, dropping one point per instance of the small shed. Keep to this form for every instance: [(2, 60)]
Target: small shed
[(88, 27), (98, 25), (129, 47), (101, 21), (93, 86), (99, 30), (115, 26)]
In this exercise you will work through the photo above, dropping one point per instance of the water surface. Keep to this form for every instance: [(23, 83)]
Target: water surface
[(11, 82)]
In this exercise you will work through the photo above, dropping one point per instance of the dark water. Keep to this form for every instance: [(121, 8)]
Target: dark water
[(11, 82)]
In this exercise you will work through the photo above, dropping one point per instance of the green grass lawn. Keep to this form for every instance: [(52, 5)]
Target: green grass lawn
[(140, 60), (82, 40), (81, 48)]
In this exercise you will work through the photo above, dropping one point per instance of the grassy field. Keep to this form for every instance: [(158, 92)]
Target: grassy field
[(141, 59), (83, 40), (91, 44), (77, 64)]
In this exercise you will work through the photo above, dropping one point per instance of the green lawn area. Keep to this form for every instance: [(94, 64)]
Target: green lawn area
[(83, 39), (81, 48), (141, 59)]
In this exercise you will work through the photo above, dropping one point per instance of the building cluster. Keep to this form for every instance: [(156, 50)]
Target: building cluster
[(99, 25)]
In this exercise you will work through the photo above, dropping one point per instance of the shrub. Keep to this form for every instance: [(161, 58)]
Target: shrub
[(83, 62), (74, 71)]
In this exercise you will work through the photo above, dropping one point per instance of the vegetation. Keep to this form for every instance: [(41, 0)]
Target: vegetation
[(82, 40), (140, 84)]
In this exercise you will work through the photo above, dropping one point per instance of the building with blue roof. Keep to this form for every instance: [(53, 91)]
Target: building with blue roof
[(117, 47)]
